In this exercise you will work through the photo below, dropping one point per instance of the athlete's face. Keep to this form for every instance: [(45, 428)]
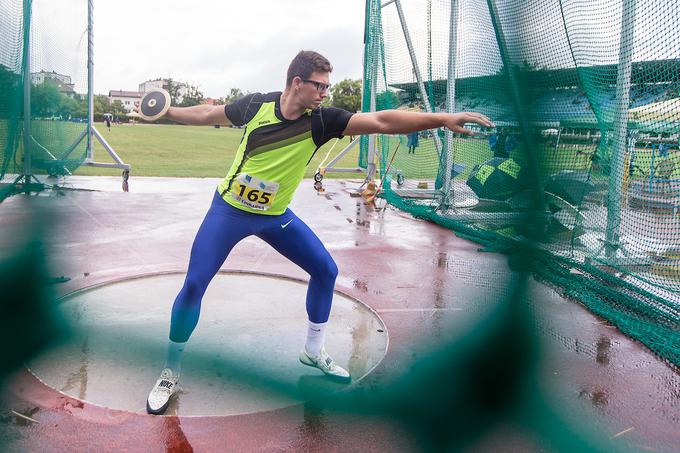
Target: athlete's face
[(313, 90)]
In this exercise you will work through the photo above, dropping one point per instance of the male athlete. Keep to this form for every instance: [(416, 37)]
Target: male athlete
[(283, 130)]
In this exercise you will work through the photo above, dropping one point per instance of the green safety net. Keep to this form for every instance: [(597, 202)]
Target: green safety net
[(43, 89), (583, 163), (538, 187)]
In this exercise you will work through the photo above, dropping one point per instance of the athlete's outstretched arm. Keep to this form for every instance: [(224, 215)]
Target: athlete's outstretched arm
[(199, 115), (401, 122)]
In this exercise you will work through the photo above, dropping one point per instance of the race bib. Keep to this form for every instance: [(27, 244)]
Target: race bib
[(253, 192)]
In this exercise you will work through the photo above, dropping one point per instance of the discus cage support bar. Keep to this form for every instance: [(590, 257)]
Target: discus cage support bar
[(444, 194), (27, 181), (372, 155)]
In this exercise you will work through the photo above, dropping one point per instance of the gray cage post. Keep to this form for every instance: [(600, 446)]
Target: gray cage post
[(24, 179), (371, 154), (28, 171), (446, 195), (416, 68), (612, 238), (89, 132), (612, 241), (92, 132)]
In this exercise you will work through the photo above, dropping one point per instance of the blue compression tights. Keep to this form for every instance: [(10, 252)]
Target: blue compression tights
[(223, 227)]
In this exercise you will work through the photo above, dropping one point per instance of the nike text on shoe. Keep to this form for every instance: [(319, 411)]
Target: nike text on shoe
[(165, 387), (324, 363)]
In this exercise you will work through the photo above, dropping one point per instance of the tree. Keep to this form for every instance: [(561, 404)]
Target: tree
[(386, 100), (10, 92), (233, 95), (346, 95), (173, 90), (68, 106), (81, 110), (45, 100), (100, 105), (118, 109), (193, 96)]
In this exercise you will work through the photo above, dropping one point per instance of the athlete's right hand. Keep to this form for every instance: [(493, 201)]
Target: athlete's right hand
[(456, 122)]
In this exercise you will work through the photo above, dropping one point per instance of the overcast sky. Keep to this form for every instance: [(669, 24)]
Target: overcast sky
[(222, 44), (213, 44)]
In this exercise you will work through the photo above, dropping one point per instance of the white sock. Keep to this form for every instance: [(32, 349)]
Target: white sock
[(316, 333), (173, 359)]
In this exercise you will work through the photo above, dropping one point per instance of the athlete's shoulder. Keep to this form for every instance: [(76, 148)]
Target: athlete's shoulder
[(332, 109), (329, 115), (261, 97), (242, 110), (331, 122), (332, 112), (272, 96)]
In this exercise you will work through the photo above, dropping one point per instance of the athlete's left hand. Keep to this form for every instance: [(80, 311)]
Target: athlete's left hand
[(457, 121)]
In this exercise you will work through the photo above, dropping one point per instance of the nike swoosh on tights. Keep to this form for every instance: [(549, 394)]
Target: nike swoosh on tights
[(286, 224)]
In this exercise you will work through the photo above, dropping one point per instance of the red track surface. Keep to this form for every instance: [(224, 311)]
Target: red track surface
[(420, 278)]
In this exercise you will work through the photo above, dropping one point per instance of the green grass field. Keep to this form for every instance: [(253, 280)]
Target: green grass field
[(424, 164), (187, 151), (192, 151)]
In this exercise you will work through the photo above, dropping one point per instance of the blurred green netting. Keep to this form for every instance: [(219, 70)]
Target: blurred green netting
[(585, 96), (48, 116), (522, 65)]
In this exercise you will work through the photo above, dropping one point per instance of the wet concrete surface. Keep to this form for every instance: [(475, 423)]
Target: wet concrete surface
[(116, 346), (427, 285)]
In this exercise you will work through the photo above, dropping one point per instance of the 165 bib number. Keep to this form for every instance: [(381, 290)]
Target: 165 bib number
[(254, 192)]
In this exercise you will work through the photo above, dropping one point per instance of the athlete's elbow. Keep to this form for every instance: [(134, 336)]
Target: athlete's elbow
[(383, 124), (213, 116), (199, 117), (207, 120)]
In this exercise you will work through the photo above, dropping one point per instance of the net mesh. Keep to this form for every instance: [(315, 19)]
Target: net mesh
[(56, 100), (11, 62), (583, 161)]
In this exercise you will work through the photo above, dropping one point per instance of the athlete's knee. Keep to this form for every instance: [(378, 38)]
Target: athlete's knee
[(327, 270)]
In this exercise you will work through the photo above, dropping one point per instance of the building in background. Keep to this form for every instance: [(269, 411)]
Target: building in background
[(127, 98), (182, 88), (149, 85), (61, 81)]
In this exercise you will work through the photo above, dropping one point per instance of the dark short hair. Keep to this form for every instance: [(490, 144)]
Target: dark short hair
[(306, 62)]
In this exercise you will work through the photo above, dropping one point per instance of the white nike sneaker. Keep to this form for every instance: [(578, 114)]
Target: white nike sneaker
[(324, 363), (165, 387)]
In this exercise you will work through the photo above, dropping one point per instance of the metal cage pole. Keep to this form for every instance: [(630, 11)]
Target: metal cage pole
[(90, 79), (416, 68), (369, 171), (26, 168), (371, 153), (450, 104), (92, 132), (623, 82), (23, 182), (533, 176)]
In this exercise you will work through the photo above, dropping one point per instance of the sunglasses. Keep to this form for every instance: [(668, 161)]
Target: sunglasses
[(320, 87)]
